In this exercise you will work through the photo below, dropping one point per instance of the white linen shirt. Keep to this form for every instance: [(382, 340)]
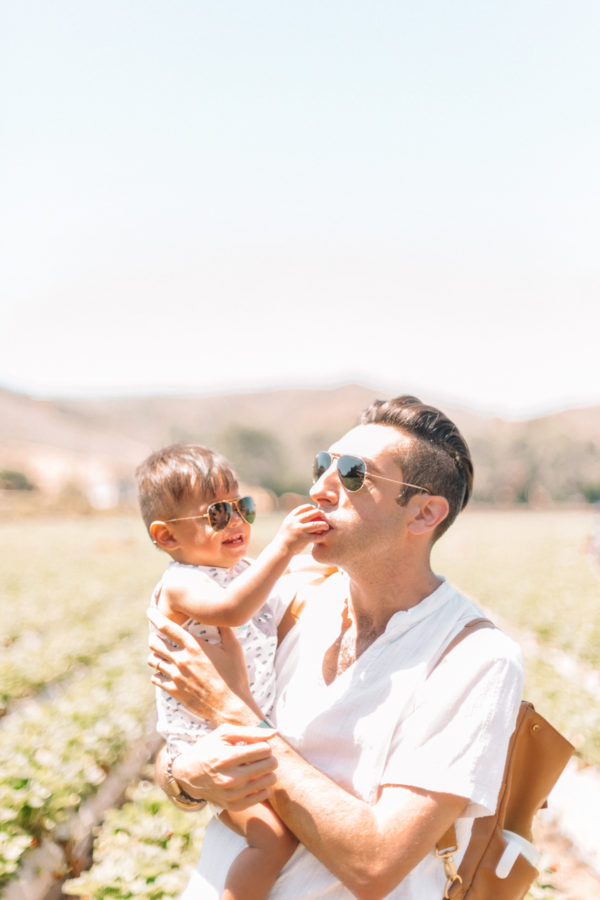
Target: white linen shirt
[(383, 721)]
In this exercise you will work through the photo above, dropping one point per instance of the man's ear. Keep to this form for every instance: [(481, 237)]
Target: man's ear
[(431, 509), (162, 536)]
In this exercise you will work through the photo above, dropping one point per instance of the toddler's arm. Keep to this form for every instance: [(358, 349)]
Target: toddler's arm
[(252, 588), (207, 602)]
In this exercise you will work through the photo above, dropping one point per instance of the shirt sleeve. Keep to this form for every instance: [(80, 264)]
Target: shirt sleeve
[(456, 737)]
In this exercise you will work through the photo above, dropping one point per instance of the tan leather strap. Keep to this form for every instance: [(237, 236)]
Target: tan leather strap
[(290, 617), (469, 628)]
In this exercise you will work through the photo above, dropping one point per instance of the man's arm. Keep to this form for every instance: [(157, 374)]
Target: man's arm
[(369, 848)]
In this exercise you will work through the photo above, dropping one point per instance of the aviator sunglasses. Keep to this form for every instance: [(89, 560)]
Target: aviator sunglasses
[(219, 513), (352, 471)]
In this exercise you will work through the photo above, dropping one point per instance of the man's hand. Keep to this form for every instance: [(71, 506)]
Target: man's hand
[(211, 680), (232, 767)]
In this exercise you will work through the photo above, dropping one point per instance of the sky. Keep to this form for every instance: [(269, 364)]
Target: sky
[(205, 197)]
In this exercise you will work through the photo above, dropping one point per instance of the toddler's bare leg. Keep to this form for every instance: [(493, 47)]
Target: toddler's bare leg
[(270, 844)]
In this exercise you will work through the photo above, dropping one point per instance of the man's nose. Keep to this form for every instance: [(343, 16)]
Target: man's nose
[(326, 489)]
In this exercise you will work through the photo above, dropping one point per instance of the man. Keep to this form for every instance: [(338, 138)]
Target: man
[(378, 750)]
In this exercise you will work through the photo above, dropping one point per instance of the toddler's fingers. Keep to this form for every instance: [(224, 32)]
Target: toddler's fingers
[(302, 511), (311, 513), (317, 525)]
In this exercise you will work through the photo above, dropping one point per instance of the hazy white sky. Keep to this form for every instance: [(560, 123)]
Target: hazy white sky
[(208, 196)]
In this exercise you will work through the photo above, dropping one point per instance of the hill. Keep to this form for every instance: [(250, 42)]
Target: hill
[(271, 437)]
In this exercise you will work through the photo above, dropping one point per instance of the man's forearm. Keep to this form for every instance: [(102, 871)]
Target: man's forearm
[(369, 848)]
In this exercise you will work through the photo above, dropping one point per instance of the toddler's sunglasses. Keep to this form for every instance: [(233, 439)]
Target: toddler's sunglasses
[(219, 513), (352, 471)]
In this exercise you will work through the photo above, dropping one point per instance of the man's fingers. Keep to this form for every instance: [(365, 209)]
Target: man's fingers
[(169, 629), (247, 802), (248, 767), (242, 790), (158, 649), (228, 638), (255, 796), (248, 734)]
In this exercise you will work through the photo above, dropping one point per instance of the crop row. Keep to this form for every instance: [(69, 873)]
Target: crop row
[(534, 569), (144, 850), (56, 753), (58, 613), (147, 849), (58, 619), (37, 658)]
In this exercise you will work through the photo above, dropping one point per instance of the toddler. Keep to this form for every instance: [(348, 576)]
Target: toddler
[(189, 500)]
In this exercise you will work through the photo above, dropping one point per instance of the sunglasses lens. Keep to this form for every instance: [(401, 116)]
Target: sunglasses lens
[(219, 515), (246, 508), (351, 470), (321, 464)]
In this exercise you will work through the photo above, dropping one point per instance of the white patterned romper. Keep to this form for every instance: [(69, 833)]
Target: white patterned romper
[(258, 638)]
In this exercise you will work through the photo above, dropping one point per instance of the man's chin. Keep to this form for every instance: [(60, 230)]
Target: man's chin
[(320, 553)]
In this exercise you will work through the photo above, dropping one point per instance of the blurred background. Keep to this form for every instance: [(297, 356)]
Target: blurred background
[(239, 224), (207, 198), (209, 211)]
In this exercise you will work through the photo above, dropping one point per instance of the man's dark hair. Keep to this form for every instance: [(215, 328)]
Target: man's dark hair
[(438, 458), (176, 474)]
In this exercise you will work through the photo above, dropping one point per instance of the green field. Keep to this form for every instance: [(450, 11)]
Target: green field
[(73, 632), (533, 571)]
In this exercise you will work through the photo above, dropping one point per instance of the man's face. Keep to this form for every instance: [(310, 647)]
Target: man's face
[(365, 524)]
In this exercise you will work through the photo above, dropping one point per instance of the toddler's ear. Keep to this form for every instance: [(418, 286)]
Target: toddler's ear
[(162, 536)]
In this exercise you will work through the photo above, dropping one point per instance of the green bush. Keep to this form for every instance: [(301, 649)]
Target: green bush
[(12, 480)]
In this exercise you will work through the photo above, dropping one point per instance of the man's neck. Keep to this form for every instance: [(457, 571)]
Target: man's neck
[(365, 616), (375, 599)]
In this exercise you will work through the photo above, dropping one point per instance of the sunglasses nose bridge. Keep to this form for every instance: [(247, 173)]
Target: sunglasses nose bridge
[(322, 465)]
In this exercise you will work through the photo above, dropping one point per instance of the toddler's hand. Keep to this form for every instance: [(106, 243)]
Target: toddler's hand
[(303, 525)]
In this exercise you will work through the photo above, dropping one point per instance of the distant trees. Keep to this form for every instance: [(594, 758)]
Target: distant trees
[(533, 467), (259, 457), (539, 463), (514, 464), (13, 480)]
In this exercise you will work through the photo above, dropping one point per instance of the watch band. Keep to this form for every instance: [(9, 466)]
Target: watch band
[(176, 793)]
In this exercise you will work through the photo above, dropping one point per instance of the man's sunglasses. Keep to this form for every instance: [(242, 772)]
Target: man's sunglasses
[(352, 471), (219, 513)]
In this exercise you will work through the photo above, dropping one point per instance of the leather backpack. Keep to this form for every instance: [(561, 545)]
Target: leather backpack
[(499, 860)]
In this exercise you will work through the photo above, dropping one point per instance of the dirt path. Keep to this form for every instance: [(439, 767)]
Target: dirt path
[(564, 873)]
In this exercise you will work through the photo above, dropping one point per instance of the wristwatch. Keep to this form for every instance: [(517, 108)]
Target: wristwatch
[(176, 793)]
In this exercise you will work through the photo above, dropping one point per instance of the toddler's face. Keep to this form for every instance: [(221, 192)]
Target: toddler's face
[(199, 545)]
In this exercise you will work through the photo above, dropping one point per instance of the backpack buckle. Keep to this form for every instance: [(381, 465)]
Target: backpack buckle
[(450, 871)]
